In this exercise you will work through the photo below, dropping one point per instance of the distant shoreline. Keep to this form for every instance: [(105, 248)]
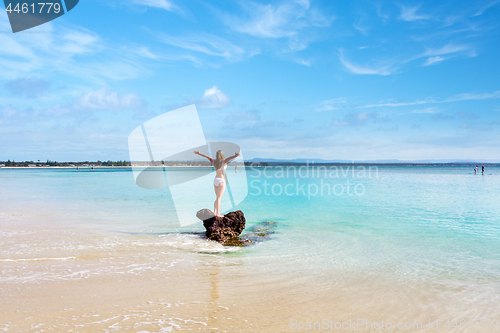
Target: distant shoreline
[(255, 165)]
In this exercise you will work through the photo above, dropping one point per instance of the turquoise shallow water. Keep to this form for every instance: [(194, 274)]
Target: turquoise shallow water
[(428, 223)]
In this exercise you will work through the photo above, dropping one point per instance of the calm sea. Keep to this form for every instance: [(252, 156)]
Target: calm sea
[(387, 242), (425, 222)]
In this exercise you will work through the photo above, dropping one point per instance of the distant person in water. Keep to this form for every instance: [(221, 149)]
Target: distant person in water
[(475, 169), (235, 169), (482, 171), (220, 165)]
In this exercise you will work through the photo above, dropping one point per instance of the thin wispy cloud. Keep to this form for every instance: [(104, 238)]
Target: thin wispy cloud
[(426, 111), (486, 7), (162, 4), (142, 51), (303, 62), (27, 53), (292, 21), (411, 14), (445, 52), (334, 105), (456, 98), (363, 70), (358, 25), (331, 104), (77, 52), (447, 43), (447, 49), (380, 13), (277, 21), (432, 60), (204, 43), (77, 42)]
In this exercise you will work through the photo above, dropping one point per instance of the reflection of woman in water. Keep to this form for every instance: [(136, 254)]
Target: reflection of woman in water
[(220, 164)]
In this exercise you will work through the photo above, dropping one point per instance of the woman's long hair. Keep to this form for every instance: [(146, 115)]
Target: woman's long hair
[(219, 157)]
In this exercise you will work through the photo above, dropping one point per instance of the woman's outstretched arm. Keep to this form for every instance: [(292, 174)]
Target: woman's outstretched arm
[(232, 157), (197, 152)]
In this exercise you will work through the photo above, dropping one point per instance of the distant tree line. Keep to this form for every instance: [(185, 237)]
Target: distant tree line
[(118, 163), (50, 163)]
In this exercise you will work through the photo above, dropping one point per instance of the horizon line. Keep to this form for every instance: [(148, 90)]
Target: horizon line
[(273, 161)]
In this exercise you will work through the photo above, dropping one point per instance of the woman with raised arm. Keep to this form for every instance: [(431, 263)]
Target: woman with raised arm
[(219, 164)]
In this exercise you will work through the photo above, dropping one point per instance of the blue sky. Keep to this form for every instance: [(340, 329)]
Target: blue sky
[(350, 80)]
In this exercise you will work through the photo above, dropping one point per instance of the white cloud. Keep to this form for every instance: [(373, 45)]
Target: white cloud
[(326, 107), (434, 55), (213, 98), (77, 42), (363, 70), (291, 20), (146, 53), (204, 43), (162, 4), (427, 110), (410, 14), (359, 26), (340, 104), (303, 62), (331, 104), (107, 99), (483, 9), (269, 21), (432, 60), (42, 50), (455, 98), (81, 108), (447, 49), (473, 96)]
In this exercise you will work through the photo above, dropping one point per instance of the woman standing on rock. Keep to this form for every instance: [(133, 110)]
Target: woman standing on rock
[(220, 164)]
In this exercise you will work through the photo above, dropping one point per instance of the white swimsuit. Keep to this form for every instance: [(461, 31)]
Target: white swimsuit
[(223, 167)]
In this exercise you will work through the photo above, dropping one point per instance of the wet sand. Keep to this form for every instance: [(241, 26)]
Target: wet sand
[(60, 279)]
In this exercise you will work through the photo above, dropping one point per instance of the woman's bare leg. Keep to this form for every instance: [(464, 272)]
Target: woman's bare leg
[(216, 212), (219, 192)]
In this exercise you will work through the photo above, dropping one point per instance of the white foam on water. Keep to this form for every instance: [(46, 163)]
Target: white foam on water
[(195, 243), (34, 258), (136, 320)]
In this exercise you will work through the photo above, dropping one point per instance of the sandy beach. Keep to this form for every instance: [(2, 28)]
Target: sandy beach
[(70, 280)]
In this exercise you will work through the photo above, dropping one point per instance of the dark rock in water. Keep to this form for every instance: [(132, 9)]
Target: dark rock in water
[(225, 228), (237, 241)]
